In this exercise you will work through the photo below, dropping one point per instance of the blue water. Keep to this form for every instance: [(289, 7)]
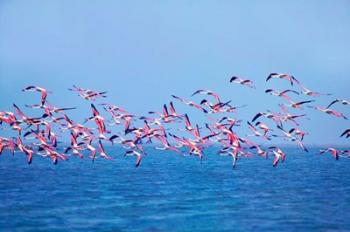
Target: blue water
[(308, 192)]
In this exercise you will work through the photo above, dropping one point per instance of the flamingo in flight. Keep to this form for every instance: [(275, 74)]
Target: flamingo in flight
[(241, 81), (50, 109), (284, 76), (113, 108), (311, 93), (188, 124), (230, 121), (346, 133), (102, 151), (75, 146), (274, 116), (297, 105), (282, 94), (207, 92), (8, 117), (135, 153), (290, 137), (88, 94), (279, 155), (333, 151), (218, 107), (8, 144), (343, 102), (298, 132), (52, 153), (286, 116), (190, 103), (263, 127), (256, 132), (166, 144), (259, 151), (330, 112), (43, 92), (192, 145), (25, 149), (233, 153), (99, 120), (38, 135), (166, 117), (29, 120)]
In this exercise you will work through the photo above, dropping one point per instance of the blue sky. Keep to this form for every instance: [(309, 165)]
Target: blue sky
[(142, 52)]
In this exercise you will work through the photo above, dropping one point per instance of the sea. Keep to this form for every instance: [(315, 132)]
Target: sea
[(169, 192)]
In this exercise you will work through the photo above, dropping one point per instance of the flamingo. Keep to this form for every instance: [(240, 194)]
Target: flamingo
[(43, 92), (346, 153), (290, 137), (188, 124), (30, 121), (113, 108), (220, 107), (149, 133), (52, 153), (195, 150), (311, 93), (274, 116), (231, 137), (25, 149), (131, 143), (75, 127), (264, 127), (50, 109), (298, 132), (346, 133), (256, 132), (39, 136), (135, 153), (282, 94), (297, 105), (259, 150), (88, 94), (241, 81), (279, 155), (330, 112), (166, 144), (333, 151), (166, 117), (102, 151), (284, 76), (173, 111), (99, 120), (75, 147), (207, 92), (92, 149), (8, 117), (233, 154), (9, 144), (231, 121), (190, 103), (343, 102), (192, 145), (286, 116)]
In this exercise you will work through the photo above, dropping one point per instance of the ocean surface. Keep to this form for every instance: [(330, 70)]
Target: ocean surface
[(168, 192)]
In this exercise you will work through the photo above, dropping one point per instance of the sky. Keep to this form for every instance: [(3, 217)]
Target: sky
[(141, 52)]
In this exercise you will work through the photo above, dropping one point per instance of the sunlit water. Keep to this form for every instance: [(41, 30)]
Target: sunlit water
[(308, 192)]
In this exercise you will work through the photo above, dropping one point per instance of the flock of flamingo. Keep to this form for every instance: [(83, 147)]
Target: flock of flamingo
[(37, 136)]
